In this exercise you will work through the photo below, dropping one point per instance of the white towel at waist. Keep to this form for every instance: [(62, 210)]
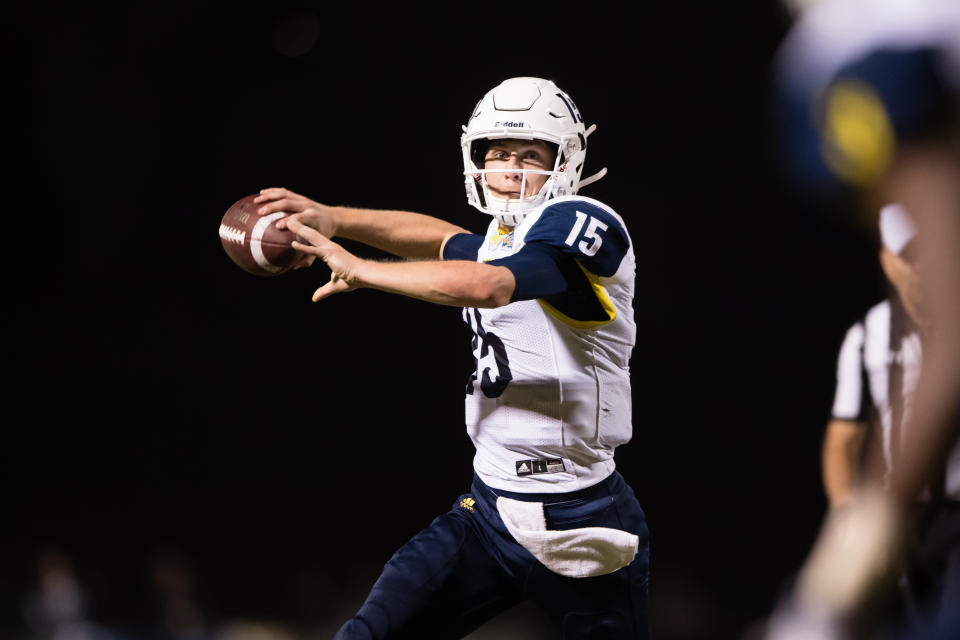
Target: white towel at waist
[(576, 553)]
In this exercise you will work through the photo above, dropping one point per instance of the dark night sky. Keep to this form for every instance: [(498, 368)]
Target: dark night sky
[(164, 397)]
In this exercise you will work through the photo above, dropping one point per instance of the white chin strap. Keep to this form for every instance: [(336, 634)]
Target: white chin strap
[(593, 178), (513, 219)]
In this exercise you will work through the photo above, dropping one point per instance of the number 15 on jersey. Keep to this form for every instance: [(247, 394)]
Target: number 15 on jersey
[(591, 237)]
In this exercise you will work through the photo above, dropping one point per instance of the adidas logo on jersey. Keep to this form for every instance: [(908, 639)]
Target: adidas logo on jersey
[(543, 465)]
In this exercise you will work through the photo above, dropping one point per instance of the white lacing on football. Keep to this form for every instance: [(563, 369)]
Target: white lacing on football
[(232, 235)]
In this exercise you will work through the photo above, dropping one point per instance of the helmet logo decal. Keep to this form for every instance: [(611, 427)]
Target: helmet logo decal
[(572, 107), (508, 124)]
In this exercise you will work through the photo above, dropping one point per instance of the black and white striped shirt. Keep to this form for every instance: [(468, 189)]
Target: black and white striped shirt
[(877, 373)]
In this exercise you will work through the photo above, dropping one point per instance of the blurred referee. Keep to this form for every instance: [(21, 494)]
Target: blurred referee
[(877, 373), (866, 109), (879, 364)]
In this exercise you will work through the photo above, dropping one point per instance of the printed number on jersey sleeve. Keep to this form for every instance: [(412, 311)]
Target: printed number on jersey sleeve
[(589, 233)]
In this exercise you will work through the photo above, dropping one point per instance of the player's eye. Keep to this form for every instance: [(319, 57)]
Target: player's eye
[(534, 157)]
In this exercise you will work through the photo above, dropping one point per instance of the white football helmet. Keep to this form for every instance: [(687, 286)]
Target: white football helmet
[(527, 109)]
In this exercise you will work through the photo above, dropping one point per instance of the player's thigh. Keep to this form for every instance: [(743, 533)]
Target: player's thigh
[(442, 583), (609, 606), (613, 606), (475, 592)]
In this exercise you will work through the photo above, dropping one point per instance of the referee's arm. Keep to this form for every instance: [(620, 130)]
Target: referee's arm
[(842, 446), (846, 429)]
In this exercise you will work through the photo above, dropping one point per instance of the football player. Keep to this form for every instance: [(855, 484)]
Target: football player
[(547, 291)]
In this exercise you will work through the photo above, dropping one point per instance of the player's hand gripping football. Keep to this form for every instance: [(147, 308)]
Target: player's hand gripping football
[(343, 264), (309, 212)]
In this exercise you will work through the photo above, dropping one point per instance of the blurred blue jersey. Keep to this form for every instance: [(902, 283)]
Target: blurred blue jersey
[(856, 79)]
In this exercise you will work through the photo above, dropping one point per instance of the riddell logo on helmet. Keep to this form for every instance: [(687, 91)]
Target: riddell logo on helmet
[(508, 124)]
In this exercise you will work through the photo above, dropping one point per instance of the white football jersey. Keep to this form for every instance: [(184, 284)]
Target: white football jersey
[(550, 398)]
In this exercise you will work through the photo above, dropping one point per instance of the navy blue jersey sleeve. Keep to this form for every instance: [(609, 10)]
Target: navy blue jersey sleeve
[(462, 246), (583, 231), (539, 271)]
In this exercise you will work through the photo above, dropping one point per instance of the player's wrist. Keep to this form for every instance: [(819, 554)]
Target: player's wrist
[(361, 273), (333, 217)]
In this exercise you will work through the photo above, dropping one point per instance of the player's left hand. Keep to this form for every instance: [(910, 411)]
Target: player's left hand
[(343, 264)]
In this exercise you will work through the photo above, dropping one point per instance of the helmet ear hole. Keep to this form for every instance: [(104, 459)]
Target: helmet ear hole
[(478, 151)]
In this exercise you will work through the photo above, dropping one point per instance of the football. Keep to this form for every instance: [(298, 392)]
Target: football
[(253, 242)]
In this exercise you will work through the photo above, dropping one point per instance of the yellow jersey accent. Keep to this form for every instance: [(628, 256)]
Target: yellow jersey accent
[(467, 503), (602, 298), (502, 238), (858, 139)]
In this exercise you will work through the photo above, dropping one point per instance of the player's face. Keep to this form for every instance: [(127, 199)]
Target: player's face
[(513, 156)]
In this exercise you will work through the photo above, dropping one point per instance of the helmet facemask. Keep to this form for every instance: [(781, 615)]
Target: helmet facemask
[(510, 211)]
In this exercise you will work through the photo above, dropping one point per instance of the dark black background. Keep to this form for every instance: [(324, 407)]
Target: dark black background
[(157, 396)]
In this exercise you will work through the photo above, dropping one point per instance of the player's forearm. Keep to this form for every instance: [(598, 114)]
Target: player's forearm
[(456, 283), (403, 233)]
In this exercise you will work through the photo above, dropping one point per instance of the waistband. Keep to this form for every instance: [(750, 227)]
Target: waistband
[(608, 486)]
